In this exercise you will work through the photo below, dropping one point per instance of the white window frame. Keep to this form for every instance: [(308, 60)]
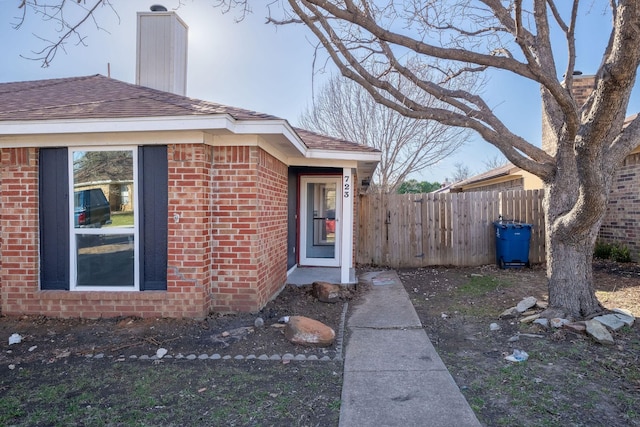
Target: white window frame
[(73, 231)]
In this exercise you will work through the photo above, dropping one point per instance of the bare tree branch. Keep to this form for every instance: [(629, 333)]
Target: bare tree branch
[(344, 110), (57, 13)]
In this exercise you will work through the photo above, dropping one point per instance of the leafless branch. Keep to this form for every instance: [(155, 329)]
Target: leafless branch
[(67, 29)]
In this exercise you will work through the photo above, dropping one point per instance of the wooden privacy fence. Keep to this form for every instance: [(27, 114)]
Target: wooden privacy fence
[(415, 230)]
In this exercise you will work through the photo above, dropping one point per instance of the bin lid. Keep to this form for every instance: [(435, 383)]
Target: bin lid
[(511, 224)]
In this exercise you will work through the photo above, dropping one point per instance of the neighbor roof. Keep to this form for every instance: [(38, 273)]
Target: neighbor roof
[(100, 97), (490, 174)]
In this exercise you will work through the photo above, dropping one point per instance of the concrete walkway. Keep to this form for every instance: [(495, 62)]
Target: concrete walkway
[(392, 373)]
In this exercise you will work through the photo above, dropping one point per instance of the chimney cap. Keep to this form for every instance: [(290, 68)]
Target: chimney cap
[(158, 8)]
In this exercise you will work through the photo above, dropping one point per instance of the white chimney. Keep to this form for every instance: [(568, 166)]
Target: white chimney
[(161, 61)]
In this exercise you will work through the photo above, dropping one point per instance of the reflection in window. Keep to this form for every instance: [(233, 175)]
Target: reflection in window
[(324, 213), (104, 220), (105, 260), (103, 189)]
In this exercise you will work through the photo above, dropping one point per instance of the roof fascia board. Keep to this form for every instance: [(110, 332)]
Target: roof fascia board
[(129, 124), (271, 127), (344, 155), (492, 181), (338, 163), (102, 139), (146, 124)]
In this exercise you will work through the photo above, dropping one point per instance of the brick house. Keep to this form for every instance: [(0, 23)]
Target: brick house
[(503, 178), (210, 206)]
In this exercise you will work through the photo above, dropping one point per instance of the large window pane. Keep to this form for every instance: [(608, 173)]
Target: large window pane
[(103, 189), (104, 228), (105, 260)]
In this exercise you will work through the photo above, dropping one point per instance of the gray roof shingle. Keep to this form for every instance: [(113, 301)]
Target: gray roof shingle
[(97, 96)]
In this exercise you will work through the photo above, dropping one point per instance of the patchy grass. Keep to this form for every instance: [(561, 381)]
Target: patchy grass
[(173, 393), (480, 285), (568, 379)]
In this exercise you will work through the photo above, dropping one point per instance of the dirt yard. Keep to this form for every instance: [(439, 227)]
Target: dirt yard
[(568, 380), (49, 378)]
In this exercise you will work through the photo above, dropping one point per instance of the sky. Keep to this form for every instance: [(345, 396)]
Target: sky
[(261, 67)]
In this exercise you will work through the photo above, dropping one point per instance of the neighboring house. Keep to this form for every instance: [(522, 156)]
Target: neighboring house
[(445, 187), (621, 224), (507, 177), (211, 206)]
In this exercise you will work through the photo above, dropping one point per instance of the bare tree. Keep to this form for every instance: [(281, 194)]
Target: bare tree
[(495, 162), (460, 172), (374, 42), (583, 143), (343, 109)]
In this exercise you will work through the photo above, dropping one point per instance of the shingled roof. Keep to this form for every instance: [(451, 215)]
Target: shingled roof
[(100, 97)]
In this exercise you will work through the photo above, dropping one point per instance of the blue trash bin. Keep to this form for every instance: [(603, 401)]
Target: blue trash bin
[(512, 243)]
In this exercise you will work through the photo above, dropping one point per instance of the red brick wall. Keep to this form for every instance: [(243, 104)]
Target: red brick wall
[(250, 231), (227, 231), (189, 252), (622, 220), (190, 235), (19, 224), (271, 249)]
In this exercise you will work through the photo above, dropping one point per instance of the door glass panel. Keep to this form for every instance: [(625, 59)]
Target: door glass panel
[(324, 213), (321, 219), (104, 218)]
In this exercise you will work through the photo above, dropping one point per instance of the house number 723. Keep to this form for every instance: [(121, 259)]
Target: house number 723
[(346, 187)]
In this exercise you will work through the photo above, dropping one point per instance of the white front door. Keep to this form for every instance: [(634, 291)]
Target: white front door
[(320, 216)]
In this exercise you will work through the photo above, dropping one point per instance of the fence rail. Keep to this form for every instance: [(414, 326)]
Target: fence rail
[(415, 230)]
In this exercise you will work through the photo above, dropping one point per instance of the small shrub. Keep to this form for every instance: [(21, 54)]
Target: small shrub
[(620, 253), (615, 252), (602, 250)]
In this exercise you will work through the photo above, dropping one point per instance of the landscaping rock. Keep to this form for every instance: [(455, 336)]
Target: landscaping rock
[(494, 327), (259, 322), (551, 313), (577, 327), (327, 292), (613, 321), (526, 304), (542, 322), (557, 322), (305, 331), (598, 332), (510, 313), (529, 319), (543, 305), (624, 312)]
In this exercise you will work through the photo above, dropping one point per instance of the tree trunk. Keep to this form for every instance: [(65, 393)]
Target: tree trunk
[(570, 274), (570, 243)]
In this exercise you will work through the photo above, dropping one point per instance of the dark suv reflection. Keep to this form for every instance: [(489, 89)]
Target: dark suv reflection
[(91, 208)]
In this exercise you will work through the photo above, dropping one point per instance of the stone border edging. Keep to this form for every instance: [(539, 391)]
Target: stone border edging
[(265, 357)]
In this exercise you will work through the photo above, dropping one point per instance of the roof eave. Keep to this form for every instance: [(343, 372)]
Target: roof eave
[(148, 124)]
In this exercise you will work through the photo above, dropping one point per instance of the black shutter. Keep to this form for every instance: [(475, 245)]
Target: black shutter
[(54, 218), (153, 201)]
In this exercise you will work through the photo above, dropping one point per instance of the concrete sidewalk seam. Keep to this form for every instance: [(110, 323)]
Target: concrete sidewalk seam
[(386, 328), (399, 370)]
